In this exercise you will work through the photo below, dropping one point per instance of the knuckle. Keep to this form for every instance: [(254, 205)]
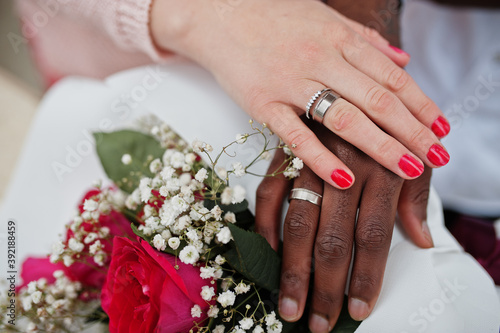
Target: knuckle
[(341, 117), (380, 100), (298, 225), (386, 147), (417, 135), (297, 136), (372, 235), (291, 279), (332, 247), (324, 297), (265, 192), (421, 196), (319, 161), (427, 106), (363, 282), (397, 79), (371, 33)]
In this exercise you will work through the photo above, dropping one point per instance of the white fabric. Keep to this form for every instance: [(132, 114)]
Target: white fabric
[(455, 58), (189, 99)]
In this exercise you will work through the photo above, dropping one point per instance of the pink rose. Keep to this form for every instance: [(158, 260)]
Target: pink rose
[(145, 293), (37, 268)]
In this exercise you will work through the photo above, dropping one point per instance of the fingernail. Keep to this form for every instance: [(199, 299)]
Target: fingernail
[(341, 178), (358, 309), (441, 127), (398, 50), (288, 309), (411, 166), (427, 233), (318, 324), (438, 155)]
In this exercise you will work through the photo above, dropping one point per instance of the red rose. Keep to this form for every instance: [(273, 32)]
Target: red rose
[(145, 293)]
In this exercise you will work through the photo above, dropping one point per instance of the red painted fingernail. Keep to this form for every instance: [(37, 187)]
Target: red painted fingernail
[(441, 127), (398, 50), (438, 155), (411, 166), (341, 178)]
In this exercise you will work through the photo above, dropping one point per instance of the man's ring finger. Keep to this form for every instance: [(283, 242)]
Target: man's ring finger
[(305, 194)]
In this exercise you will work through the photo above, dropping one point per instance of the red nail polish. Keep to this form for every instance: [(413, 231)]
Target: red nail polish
[(438, 156), (411, 166), (341, 178), (398, 50), (441, 127)]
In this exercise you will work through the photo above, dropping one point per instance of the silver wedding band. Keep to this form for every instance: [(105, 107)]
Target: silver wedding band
[(306, 195), (322, 101)]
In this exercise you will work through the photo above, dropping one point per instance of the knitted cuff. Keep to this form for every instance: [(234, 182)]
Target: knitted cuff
[(133, 29)]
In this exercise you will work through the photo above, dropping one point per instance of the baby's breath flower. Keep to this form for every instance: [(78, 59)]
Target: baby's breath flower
[(230, 217), (213, 312), (189, 255), (297, 163), (155, 166), (246, 323), (224, 235), (174, 243), (57, 248), (238, 169), (68, 260), (36, 297), (221, 172), (100, 258), (241, 288), (240, 139), (287, 151), (216, 212), (196, 311), (258, 329), (218, 329), (159, 242), (126, 159), (201, 175), (75, 245), (239, 193), (226, 196), (226, 298), (220, 260), (197, 145), (207, 293), (90, 205), (207, 272), (266, 156)]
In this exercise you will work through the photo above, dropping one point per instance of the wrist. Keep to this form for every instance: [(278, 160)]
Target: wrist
[(174, 23)]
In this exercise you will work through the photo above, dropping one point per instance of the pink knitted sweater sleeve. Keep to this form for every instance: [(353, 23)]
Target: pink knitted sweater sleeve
[(89, 37)]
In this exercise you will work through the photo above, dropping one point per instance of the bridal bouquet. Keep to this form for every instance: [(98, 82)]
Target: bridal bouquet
[(168, 247)]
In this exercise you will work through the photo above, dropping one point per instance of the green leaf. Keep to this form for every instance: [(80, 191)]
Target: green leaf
[(141, 147), (253, 257)]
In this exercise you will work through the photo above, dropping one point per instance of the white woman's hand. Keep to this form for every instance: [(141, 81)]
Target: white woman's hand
[(273, 56)]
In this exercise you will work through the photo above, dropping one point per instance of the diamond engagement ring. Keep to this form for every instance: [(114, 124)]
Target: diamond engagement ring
[(322, 101), (305, 194)]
